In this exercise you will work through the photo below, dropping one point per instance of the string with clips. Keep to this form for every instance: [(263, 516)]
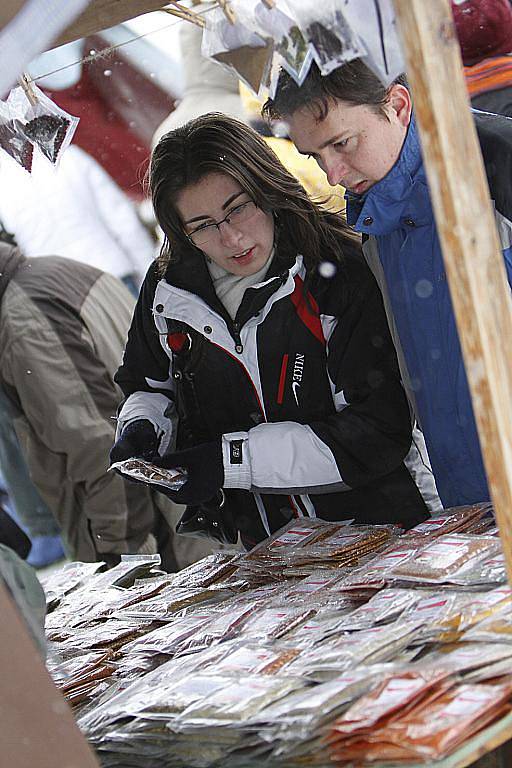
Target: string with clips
[(28, 88), (177, 10)]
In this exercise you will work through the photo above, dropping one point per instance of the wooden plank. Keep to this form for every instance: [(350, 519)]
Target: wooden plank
[(8, 10), (467, 231), (37, 727), (102, 14)]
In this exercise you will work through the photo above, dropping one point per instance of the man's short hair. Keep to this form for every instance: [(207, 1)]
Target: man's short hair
[(353, 83)]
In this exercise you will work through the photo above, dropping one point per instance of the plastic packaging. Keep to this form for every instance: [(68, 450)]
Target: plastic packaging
[(454, 520), (326, 29), (433, 730), (145, 472), (13, 141), (394, 693), (241, 700), (238, 48), (42, 122), (439, 560)]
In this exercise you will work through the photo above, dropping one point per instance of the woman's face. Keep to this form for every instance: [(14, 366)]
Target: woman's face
[(243, 242)]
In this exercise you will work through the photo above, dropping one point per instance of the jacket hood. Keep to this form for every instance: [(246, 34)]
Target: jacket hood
[(11, 259)]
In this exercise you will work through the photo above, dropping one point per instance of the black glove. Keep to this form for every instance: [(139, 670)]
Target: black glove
[(138, 439), (204, 467), (210, 520)]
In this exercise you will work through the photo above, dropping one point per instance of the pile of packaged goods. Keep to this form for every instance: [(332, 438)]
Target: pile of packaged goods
[(326, 644)]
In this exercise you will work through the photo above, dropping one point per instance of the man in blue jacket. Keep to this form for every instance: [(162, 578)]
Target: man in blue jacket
[(364, 137)]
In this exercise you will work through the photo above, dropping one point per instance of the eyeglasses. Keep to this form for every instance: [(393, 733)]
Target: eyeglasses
[(206, 233)]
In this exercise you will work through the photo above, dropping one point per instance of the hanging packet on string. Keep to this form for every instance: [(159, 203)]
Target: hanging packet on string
[(43, 123), (237, 48), (278, 24), (12, 140), (329, 33)]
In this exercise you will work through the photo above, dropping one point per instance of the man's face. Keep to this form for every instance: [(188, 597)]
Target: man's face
[(355, 146)]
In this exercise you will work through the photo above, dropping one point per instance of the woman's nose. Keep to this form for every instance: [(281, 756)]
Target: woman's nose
[(229, 234)]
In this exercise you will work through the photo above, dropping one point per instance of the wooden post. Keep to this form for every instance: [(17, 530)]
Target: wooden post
[(467, 231), (37, 727), (102, 14), (8, 10)]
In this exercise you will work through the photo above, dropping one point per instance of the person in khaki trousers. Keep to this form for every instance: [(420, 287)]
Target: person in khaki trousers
[(63, 326)]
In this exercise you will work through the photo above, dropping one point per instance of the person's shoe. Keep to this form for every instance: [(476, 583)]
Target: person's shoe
[(45, 551)]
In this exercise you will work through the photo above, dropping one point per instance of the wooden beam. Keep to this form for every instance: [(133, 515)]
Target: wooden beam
[(102, 14), (467, 231), (37, 727), (8, 10)]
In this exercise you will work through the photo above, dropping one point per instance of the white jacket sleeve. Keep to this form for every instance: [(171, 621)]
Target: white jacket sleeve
[(296, 459)]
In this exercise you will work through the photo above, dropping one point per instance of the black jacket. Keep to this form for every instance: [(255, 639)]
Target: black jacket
[(307, 384)]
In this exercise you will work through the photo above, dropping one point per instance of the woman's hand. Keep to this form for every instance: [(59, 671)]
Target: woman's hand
[(137, 440), (204, 467)]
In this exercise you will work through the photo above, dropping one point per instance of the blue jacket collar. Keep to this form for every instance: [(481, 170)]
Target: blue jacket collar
[(394, 199)]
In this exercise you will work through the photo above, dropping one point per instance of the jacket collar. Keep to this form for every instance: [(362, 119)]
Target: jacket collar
[(401, 196), (10, 261), (190, 273)]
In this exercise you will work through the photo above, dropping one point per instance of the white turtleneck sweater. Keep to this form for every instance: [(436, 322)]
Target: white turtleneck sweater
[(231, 288)]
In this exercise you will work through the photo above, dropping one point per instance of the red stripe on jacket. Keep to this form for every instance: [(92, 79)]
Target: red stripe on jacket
[(307, 310)]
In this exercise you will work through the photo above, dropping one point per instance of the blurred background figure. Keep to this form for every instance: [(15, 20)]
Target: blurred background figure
[(11, 535), (210, 87), (21, 501), (484, 29), (62, 331), (75, 210)]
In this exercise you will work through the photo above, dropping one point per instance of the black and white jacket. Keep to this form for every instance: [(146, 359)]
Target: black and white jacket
[(303, 387)]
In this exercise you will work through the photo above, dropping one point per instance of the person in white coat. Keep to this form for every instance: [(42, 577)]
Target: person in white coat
[(74, 210)]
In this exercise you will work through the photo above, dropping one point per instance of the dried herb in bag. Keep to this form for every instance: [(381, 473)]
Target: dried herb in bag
[(41, 122)]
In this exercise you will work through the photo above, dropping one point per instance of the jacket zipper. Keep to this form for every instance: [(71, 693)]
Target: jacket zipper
[(235, 328)]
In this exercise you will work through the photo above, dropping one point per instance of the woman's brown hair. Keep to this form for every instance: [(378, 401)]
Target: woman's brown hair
[(215, 143)]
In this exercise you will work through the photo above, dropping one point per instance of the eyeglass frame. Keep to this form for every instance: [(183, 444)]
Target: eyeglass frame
[(217, 224)]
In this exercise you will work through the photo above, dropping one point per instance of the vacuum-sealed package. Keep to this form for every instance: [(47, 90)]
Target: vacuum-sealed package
[(454, 520), (433, 730), (496, 627), (242, 699), (316, 703), (146, 472), (461, 658), (59, 583), (369, 646), (441, 559), (124, 573), (244, 657), (394, 693), (212, 569), (273, 623), (380, 609)]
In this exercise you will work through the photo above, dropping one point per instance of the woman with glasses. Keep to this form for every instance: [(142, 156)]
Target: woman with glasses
[(259, 359)]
